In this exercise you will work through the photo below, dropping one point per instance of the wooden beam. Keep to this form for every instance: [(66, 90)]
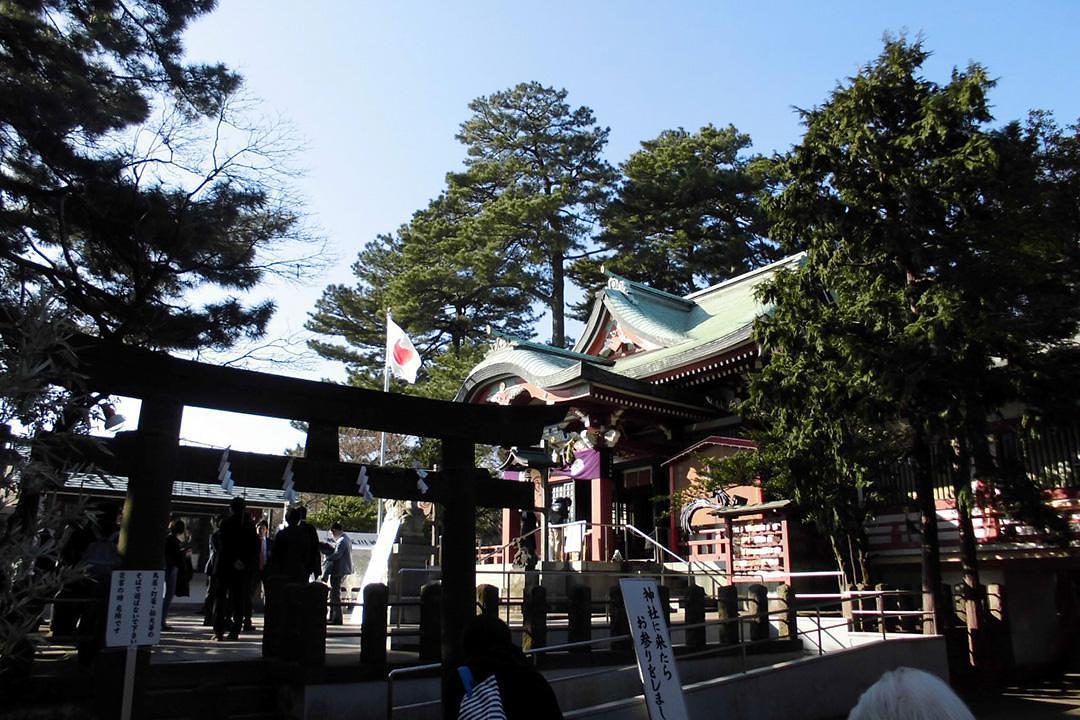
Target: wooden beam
[(200, 465), (322, 442), (124, 370)]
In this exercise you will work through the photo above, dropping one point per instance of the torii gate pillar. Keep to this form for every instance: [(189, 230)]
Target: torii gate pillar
[(458, 564)]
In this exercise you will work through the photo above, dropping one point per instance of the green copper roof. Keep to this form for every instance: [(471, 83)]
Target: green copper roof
[(657, 322), (686, 329), (722, 316)]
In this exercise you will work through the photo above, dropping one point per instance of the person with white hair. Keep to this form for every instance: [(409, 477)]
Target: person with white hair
[(910, 694)]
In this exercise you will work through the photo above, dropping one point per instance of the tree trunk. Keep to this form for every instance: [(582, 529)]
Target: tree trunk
[(933, 606), (558, 291), (965, 503), (842, 562)]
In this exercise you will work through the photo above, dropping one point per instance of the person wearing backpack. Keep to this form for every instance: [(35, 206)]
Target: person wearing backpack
[(498, 681)]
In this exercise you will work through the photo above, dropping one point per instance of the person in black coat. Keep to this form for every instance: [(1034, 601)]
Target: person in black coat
[(212, 586), (314, 559), (174, 560), (235, 566), (292, 550), (263, 549), (489, 650)]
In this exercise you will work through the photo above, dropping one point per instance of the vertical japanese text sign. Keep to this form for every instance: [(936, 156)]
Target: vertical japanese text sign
[(135, 598), (652, 645)]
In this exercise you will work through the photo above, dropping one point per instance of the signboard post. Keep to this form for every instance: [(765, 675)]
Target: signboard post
[(652, 646), (134, 620)]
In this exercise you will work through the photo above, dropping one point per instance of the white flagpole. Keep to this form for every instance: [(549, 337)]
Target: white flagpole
[(382, 435)]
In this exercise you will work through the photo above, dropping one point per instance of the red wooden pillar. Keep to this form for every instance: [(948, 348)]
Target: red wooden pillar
[(511, 528), (600, 513), (673, 516), (729, 554)]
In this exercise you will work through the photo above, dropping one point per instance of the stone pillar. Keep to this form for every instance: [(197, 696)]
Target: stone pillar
[(289, 618), (579, 617), (313, 598), (757, 611), (487, 600), (995, 601), (665, 603), (695, 614), (784, 604), (620, 623), (273, 620), (431, 602), (908, 602), (890, 603), (998, 625), (534, 619), (864, 622), (959, 603), (849, 606), (373, 627), (727, 607)]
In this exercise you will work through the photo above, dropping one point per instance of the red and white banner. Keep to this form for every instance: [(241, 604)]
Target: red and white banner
[(401, 356)]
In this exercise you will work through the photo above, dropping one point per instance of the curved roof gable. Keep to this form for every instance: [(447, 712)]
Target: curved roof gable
[(673, 332), (657, 317)]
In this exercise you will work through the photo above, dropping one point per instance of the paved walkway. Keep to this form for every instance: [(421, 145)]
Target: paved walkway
[(1054, 698), (188, 640)]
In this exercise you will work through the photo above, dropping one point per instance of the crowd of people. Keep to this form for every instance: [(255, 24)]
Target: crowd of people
[(242, 555)]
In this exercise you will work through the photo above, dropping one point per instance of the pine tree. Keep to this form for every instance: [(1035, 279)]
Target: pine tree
[(537, 180), (127, 178), (687, 213), (442, 289)]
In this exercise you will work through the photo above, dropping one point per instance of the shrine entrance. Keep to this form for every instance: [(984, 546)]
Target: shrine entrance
[(152, 457)]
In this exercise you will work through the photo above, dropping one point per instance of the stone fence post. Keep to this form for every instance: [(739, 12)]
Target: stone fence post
[(757, 611), (694, 613), (373, 627), (431, 622), (580, 617), (784, 605), (534, 619), (727, 606), (487, 600)]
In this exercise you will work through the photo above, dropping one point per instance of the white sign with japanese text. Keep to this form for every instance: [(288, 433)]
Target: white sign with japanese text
[(135, 598), (652, 645)]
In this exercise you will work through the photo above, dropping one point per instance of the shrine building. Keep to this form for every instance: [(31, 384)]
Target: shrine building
[(650, 388)]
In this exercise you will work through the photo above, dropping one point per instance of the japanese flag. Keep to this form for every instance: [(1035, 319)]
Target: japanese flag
[(401, 356)]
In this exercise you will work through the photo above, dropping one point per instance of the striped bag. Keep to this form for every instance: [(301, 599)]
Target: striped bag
[(482, 701)]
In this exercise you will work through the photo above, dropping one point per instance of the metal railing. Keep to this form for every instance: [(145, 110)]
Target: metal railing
[(814, 636)]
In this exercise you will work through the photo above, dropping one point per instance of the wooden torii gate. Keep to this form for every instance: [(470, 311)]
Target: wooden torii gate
[(153, 459)]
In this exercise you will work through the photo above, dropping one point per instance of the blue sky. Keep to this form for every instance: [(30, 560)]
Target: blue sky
[(376, 91)]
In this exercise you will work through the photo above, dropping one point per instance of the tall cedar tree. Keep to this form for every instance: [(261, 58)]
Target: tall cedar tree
[(537, 181), (124, 181), (940, 283), (687, 213)]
